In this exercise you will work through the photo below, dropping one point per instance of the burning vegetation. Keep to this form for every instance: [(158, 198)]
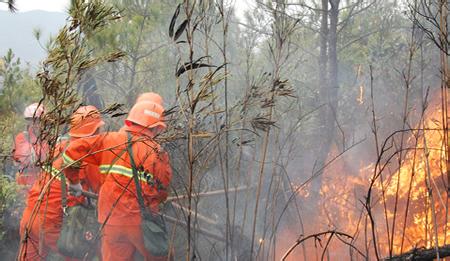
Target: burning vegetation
[(417, 187)]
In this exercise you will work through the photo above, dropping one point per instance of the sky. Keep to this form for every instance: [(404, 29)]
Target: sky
[(47, 5), (61, 5), (27, 52)]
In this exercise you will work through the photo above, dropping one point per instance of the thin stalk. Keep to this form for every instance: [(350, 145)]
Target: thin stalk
[(223, 167), (430, 195), (408, 80), (191, 124), (227, 124), (377, 147), (271, 195), (248, 64), (281, 34), (443, 35), (260, 179), (408, 199)]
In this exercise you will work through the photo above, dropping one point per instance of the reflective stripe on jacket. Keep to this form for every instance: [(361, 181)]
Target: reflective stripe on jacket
[(117, 197)]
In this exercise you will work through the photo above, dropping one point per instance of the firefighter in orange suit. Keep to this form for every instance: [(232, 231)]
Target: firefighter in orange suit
[(28, 151), (118, 206), (40, 231)]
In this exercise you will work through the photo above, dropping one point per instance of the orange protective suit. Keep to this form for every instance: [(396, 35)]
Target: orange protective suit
[(26, 153), (40, 232), (118, 206)]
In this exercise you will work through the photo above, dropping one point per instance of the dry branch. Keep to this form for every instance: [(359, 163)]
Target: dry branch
[(210, 193), (318, 236), (422, 254)]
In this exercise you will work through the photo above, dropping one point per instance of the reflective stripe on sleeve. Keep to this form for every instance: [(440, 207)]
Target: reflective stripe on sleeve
[(127, 172), (67, 159), (52, 171)]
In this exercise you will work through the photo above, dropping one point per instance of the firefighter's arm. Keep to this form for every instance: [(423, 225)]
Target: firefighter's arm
[(80, 151)]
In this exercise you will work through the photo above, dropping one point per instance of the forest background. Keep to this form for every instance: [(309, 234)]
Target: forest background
[(293, 101)]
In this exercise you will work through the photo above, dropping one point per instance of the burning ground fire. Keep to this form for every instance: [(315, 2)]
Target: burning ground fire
[(344, 189), (411, 180)]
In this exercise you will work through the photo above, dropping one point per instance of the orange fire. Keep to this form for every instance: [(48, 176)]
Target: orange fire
[(417, 174), (418, 218)]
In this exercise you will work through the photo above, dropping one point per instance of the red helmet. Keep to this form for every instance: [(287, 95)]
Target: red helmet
[(33, 111), (146, 114), (85, 121)]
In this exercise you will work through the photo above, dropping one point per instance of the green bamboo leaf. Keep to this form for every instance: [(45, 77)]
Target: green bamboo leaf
[(180, 29), (191, 66), (174, 20)]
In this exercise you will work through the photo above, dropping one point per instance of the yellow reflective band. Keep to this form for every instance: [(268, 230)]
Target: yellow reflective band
[(67, 159), (116, 169), (52, 171), (124, 171)]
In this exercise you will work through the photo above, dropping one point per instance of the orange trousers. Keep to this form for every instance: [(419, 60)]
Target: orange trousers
[(121, 243), (40, 240), (31, 247)]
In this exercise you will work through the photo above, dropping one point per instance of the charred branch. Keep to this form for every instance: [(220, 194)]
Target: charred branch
[(420, 254)]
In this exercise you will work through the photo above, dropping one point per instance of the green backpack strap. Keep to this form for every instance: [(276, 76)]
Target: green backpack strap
[(140, 198), (153, 226), (64, 194)]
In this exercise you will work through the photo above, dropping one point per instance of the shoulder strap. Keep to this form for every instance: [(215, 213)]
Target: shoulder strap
[(140, 198), (63, 193)]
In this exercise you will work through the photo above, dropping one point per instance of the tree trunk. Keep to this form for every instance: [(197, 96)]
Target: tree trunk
[(323, 82), (332, 52), (323, 58), (328, 80), (333, 84)]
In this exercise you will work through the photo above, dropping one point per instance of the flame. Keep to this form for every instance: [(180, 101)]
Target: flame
[(345, 184), (412, 182)]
